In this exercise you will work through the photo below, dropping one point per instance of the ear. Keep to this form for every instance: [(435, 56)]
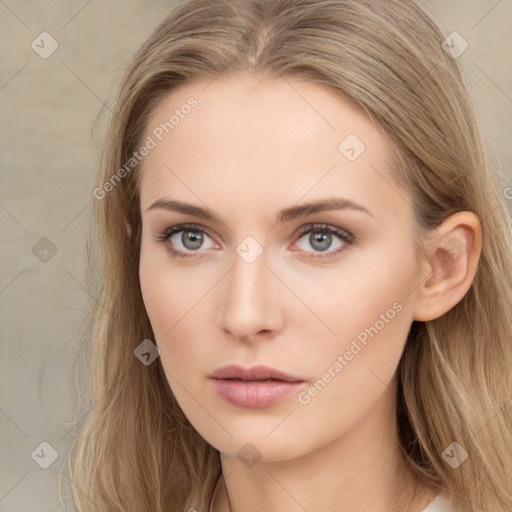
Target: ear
[(453, 254), (128, 229)]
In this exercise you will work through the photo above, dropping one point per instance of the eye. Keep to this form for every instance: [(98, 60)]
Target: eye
[(187, 240), (184, 240), (321, 238)]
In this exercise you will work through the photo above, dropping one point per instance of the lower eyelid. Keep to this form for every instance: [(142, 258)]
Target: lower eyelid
[(346, 238)]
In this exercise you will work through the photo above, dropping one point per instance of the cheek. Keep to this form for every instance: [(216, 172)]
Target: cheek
[(175, 299), (368, 309), (357, 298), (353, 370), (170, 292)]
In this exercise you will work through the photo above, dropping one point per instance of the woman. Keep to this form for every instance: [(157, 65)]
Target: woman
[(305, 272)]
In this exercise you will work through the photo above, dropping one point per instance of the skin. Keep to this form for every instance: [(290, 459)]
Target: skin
[(250, 148)]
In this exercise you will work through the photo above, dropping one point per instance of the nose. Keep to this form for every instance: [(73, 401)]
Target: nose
[(250, 304)]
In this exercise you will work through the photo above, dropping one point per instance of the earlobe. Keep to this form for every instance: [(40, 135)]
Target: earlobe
[(453, 251), (128, 229)]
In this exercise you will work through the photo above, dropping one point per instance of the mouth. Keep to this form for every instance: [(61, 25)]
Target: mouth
[(255, 387), (258, 373), (257, 380)]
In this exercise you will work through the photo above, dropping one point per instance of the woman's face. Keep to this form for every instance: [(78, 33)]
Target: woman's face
[(258, 277)]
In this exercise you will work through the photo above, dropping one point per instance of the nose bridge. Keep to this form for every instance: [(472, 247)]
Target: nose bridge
[(247, 306), (248, 276)]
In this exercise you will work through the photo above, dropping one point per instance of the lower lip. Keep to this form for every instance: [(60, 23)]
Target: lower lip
[(254, 394)]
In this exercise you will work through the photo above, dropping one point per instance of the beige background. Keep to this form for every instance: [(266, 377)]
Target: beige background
[(50, 134)]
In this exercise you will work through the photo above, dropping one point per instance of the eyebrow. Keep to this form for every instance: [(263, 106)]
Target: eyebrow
[(285, 215)]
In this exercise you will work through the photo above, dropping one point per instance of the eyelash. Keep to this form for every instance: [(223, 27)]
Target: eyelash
[(342, 235)]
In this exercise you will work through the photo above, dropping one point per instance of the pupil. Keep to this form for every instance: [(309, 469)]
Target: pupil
[(320, 241), (192, 240)]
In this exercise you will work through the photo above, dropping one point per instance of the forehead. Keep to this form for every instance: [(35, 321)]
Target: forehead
[(246, 139)]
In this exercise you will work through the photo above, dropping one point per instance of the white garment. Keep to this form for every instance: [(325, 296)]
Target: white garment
[(438, 504)]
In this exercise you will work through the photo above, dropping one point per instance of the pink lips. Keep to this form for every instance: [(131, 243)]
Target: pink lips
[(255, 387)]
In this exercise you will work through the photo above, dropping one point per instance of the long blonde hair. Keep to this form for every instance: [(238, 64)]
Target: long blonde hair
[(135, 450)]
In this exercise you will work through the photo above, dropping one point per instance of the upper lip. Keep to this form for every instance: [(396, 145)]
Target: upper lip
[(259, 372)]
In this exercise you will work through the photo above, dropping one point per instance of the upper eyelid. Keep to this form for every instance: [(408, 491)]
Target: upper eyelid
[(309, 226), (319, 226)]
